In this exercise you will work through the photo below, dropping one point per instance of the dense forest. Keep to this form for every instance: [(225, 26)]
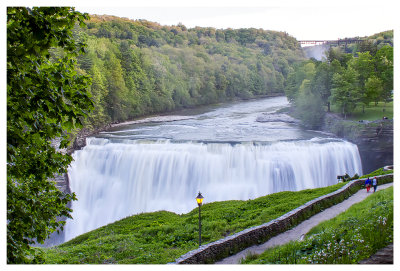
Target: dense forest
[(140, 67), (349, 76)]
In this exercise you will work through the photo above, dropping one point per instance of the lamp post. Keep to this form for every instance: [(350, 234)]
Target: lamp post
[(199, 200)]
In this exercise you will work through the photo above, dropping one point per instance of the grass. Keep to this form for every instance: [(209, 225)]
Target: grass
[(372, 112), (161, 237), (346, 239), (377, 172)]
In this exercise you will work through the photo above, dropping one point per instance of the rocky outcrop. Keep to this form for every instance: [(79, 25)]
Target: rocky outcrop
[(373, 138), (276, 117), (80, 139)]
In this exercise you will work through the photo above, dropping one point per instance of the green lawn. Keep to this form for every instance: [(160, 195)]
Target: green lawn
[(372, 112)]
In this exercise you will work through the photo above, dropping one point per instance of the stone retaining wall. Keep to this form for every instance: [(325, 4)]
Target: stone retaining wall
[(230, 245)]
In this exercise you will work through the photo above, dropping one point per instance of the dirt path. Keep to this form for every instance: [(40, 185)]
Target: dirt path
[(298, 232)]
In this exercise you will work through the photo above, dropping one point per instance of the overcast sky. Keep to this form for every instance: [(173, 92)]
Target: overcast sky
[(302, 19)]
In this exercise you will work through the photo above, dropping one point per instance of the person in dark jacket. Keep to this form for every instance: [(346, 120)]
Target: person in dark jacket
[(374, 183)]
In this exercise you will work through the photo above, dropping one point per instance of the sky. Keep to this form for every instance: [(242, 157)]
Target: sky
[(302, 19)]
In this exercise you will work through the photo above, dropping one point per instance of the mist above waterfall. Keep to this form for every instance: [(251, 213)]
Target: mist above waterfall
[(316, 51)]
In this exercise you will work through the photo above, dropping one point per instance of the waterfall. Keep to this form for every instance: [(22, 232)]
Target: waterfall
[(115, 179)]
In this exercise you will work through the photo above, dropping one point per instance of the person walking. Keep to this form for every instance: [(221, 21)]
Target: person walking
[(374, 183), (368, 184)]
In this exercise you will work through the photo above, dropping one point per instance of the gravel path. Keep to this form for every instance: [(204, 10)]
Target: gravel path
[(298, 232)]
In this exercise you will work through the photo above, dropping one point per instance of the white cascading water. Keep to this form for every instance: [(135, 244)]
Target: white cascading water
[(113, 180)]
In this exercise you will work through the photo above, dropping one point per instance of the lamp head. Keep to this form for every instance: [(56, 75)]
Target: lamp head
[(199, 199)]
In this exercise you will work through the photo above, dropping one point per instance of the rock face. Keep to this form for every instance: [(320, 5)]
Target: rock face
[(80, 139), (373, 138), (62, 182)]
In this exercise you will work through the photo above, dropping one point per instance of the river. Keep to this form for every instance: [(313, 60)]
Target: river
[(223, 151)]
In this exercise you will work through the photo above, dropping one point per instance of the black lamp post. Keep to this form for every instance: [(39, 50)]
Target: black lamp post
[(199, 200)]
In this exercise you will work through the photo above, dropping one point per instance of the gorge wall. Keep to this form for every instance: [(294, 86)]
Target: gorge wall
[(373, 138)]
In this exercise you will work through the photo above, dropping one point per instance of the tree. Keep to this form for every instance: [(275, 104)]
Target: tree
[(335, 53), (368, 46), (99, 92), (345, 90), (373, 89), (322, 83), (309, 106), (117, 91), (384, 68), (364, 66), (46, 98)]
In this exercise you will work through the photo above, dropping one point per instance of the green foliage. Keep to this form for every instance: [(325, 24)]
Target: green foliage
[(302, 91), (345, 90), (346, 239), (344, 80), (379, 171), (373, 89), (383, 39), (46, 98), (161, 237), (309, 106), (384, 71), (322, 83)]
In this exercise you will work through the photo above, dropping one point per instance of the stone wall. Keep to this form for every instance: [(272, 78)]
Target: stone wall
[(230, 245)]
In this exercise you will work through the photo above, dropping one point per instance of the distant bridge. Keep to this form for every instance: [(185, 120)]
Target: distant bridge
[(330, 42)]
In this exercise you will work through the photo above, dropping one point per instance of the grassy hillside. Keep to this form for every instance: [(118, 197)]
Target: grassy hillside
[(371, 112), (161, 237)]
